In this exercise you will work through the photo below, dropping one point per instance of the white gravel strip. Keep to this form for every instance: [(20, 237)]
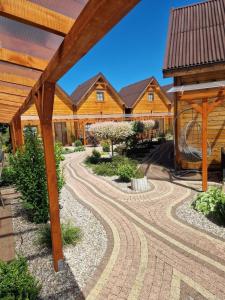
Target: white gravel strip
[(187, 213), (82, 259), (86, 256)]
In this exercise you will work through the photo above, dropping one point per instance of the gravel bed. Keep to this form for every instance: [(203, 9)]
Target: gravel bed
[(186, 213), (81, 260)]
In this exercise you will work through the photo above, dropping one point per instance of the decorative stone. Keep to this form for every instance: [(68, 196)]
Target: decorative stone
[(140, 184)]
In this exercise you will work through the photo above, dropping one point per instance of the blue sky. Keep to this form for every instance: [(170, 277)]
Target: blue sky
[(133, 50)]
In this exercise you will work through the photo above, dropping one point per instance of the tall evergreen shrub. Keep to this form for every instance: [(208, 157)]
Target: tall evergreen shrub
[(30, 178)]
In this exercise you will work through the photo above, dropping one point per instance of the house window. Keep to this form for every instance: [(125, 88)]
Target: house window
[(150, 97), (100, 96)]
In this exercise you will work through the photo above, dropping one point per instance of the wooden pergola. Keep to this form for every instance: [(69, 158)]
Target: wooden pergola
[(40, 41), (203, 98)]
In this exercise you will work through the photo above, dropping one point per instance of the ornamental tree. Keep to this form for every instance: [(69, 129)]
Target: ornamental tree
[(116, 132)]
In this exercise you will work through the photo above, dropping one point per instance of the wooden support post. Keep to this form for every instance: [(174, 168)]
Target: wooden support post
[(84, 134), (17, 134), (44, 103), (204, 145)]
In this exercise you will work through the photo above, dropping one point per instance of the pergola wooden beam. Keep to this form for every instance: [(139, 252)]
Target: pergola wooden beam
[(13, 90), (22, 59), (15, 79), (96, 19), (36, 15)]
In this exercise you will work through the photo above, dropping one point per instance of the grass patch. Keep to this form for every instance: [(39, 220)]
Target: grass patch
[(71, 235)]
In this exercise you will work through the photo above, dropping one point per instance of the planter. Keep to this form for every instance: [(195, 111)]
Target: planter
[(139, 184)]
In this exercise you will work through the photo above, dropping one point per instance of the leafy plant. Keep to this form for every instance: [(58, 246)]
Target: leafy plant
[(8, 176), (95, 157), (211, 204), (67, 151), (139, 174), (29, 166), (105, 169), (105, 146), (71, 235), (16, 282), (78, 143), (126, 172), (79, 149)]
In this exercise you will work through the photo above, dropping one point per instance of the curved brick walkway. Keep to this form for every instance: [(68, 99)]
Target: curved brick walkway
[(151, 254)]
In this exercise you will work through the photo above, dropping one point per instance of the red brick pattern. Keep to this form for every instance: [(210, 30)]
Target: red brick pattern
[(152, 254)]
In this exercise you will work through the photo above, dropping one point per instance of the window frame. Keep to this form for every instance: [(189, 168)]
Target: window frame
[(100, 92), (152, 97)]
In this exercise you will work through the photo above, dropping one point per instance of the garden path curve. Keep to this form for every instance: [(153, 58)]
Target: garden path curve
[(151, 254)]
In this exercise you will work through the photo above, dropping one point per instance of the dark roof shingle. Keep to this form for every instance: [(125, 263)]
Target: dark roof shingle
[(170, 96), (196, 35), (83, 88), (131, 93)]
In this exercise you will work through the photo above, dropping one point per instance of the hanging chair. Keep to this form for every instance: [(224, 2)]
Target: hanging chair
[(190, 142)]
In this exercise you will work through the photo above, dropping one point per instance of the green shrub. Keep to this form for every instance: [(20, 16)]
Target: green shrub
[(29, 166), (67, 151), (119, 160), (79, 149), (95, 157), (211, 204), (126, 172), (105, 169), (71, 235), (78, 143), (8, 176), (139, 174), (105, 146), (16, 282)]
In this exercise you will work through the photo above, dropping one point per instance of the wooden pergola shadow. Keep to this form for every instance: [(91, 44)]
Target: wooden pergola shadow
[(40, 42)]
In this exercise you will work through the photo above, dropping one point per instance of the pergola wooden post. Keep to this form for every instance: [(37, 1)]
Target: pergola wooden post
[(204, 108), (204, 144), (44, 101), (16, 133)]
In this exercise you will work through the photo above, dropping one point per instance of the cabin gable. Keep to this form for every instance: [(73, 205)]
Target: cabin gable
[(145, 104), (94, 104)]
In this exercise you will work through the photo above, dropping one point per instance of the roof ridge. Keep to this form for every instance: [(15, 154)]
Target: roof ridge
[(137, 82)]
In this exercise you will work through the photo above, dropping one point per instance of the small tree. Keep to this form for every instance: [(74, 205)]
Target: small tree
[(28, 166), (116, 132)]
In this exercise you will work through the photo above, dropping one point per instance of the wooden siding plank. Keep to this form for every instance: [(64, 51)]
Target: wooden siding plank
[(13, 91)]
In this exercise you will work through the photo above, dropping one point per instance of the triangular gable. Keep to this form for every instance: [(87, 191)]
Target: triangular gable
[(133, 93), (82, 91), (63, 96)]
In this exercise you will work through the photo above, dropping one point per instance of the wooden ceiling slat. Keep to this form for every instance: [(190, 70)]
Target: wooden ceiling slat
[(96, 19), (12, 78), (35, 15), (10, 103), (13, 91), (15, 98), (22, 59)]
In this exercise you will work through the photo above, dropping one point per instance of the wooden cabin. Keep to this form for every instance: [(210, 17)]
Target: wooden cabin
[(195, 58), (63, 111), (95, 100), (146, 99)]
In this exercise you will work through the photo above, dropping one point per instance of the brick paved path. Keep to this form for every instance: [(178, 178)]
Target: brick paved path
[(151, 254)]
